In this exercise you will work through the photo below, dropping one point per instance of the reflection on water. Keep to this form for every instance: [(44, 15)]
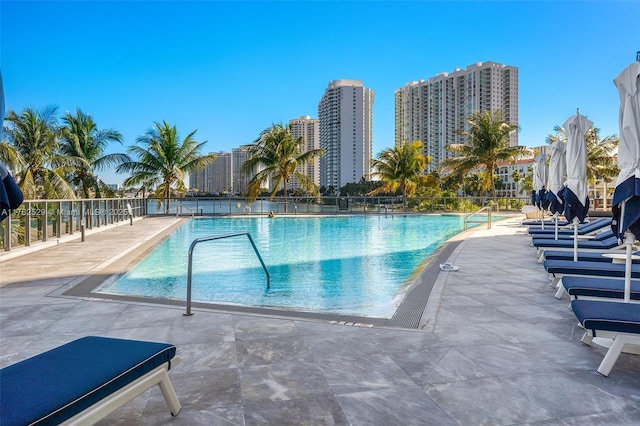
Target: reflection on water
[(240, 206)]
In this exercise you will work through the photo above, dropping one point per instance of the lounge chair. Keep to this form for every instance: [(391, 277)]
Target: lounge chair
[(584, 256), (560, 268), (579, 287), (547, 220), (615, 320), (564, 223), (83, 381), (535, 224), (567, 239), (584, 229), (603, 241)]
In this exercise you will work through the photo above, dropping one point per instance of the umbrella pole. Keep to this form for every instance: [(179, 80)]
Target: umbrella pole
[(575, 239), (542, 218), (555, 218), (629, 239)]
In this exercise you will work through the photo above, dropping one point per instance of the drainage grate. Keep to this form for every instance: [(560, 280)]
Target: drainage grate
[(410, 311)]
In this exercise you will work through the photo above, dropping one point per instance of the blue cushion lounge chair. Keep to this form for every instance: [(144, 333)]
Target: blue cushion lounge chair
[(600, 242), (567, 239), (83, 381), (565, 225), (615, 320), (559, 268), (596, 287), (585, 229), (588, 256), (536, 222)]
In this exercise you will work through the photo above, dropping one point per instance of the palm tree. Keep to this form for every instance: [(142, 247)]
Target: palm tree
[(432, 184), (10, 157), (164, 161), (278, 156), (401, 168), (81, 138), (517, 177), (601, 163), (487, 143), (527, 181), (476, 184), (40, 170)]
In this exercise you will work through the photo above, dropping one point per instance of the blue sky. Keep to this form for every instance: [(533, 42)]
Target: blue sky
[(231, 69)]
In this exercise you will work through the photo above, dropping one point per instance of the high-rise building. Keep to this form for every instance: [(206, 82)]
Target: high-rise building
[(198, 180), (215, 178), (220, 172), (240, 180), (346, 133), (434, 111), (308, 129)]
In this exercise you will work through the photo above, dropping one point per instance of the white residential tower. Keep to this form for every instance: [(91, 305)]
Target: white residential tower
[(346, 133), (434, 111), (308, 129)]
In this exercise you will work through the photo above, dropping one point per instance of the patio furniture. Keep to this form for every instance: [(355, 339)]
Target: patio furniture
[(619, 321), (83, 381)]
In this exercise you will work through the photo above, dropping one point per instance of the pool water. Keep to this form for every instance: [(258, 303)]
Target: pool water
[(356, 265)]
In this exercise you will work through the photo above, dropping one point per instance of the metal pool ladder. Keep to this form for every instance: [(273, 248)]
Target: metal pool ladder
[(218, 237), (467, 218)]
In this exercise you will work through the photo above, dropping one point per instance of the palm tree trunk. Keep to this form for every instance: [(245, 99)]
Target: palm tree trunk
[(166, 198), (285, 183), (493, 181), (404, 198)]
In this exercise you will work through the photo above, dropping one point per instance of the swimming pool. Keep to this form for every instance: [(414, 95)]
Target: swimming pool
[(355, 265)]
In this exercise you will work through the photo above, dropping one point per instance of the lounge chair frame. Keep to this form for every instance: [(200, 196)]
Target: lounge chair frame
[(622, 342), (109, 404)]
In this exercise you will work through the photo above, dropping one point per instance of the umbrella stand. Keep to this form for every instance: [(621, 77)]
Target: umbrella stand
[(576, 221), (629, 239)]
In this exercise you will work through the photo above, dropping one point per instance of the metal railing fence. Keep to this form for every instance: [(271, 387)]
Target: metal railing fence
[(207, 206), (42, 220)]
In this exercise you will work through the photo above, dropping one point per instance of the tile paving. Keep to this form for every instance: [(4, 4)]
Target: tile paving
[(494, 345)]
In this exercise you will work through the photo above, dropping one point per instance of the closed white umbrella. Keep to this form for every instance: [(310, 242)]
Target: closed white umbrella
[(626, 197), (576, 195), (557, 172), (576, 199), (540, 176)]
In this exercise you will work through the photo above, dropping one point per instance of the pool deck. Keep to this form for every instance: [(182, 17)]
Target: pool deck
[(494, 345)]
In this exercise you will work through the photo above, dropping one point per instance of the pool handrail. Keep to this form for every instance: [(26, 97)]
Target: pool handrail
[(488, 209), (181, 206), (218, 237)]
